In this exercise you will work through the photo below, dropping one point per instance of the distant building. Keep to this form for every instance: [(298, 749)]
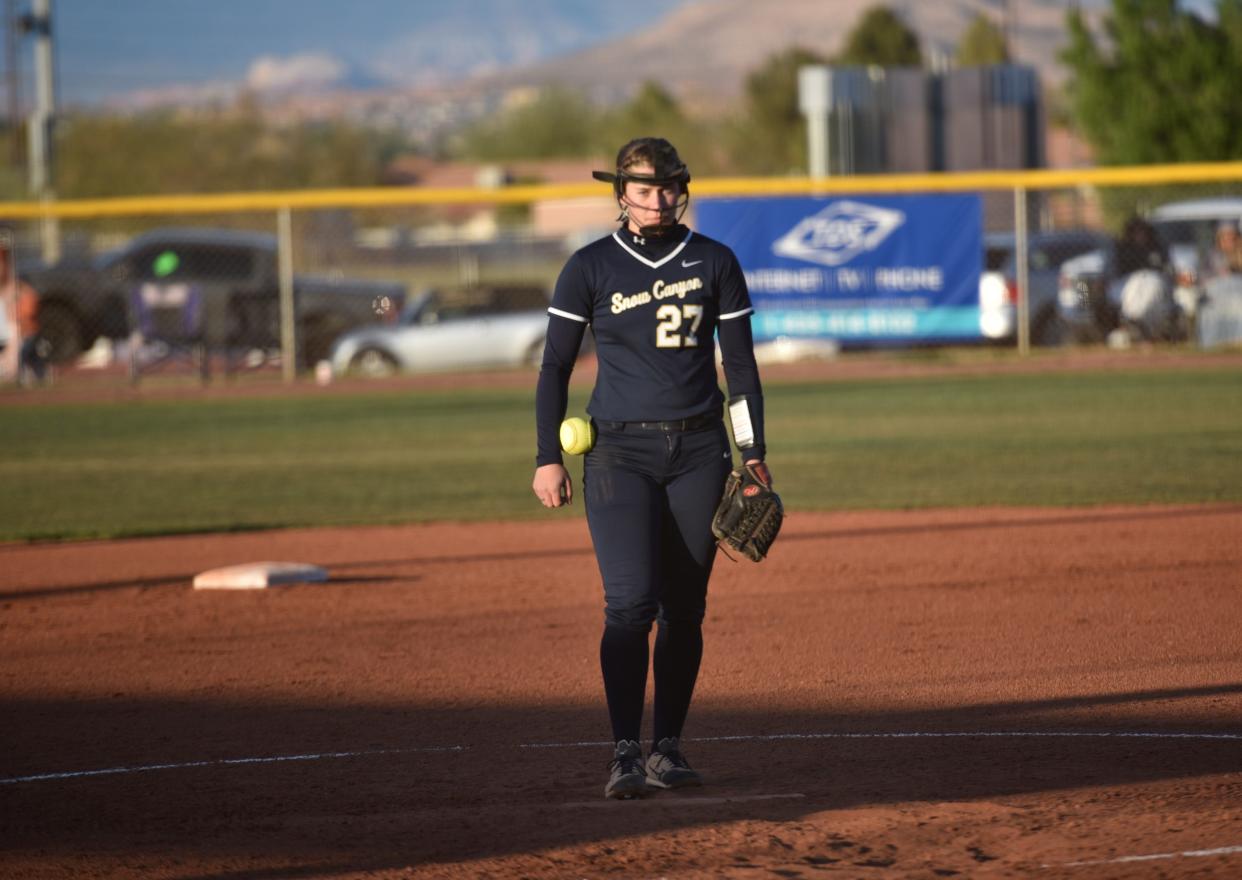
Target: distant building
[(479, 221), (879, 120), (876, 120)]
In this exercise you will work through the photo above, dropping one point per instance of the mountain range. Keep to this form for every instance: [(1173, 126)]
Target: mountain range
[(701, 51), (126, 53), (141, 53)]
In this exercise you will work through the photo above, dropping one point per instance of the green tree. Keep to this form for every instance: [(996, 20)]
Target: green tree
[(100, 156), (653, 111), (982, 43), (770, 138), (880, 38), (560, 123), (1162, 84), (556, 123), (1229, 15)]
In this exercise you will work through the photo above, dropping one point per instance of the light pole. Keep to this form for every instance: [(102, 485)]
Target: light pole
[(39, 127), (815, 102)]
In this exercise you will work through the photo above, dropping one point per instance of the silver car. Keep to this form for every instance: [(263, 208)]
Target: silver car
[(998, 285), (486, 327)]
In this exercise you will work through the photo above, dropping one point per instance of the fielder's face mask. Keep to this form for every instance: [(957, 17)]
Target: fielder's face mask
[(667, 169)]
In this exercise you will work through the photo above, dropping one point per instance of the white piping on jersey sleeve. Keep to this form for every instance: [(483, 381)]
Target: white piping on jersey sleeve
[(745, 311), (570, 315)]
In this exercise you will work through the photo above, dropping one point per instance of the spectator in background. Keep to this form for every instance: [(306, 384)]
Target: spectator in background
[(31, 346), (1139, 248), (1142, 287), (8, 331), (1226, 258), (11, 340)]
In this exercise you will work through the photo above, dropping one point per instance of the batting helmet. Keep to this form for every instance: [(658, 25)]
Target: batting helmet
[(656, 152), (666, 166)]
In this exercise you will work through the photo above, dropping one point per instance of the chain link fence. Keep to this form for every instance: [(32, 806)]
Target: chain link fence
[(288, 284), (1116, 265)]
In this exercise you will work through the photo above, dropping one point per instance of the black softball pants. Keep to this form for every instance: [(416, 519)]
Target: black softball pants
[(650, 496)]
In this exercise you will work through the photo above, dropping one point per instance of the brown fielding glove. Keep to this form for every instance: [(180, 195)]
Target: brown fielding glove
[(749, 514)]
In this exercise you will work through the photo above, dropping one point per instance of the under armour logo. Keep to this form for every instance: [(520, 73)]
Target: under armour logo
[(686, 264)]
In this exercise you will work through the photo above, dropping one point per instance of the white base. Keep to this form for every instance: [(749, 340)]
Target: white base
[(259, 576)]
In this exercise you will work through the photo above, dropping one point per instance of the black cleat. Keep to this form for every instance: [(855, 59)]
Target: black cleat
[(628, 779), (667, 767)]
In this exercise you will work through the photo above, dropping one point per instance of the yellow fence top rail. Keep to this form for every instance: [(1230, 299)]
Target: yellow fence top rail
[(1145, 175)]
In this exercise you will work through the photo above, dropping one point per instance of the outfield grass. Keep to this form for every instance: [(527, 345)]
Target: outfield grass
[(154, 467)]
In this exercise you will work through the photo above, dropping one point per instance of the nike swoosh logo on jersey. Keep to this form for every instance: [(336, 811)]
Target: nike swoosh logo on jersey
[(687, 264)]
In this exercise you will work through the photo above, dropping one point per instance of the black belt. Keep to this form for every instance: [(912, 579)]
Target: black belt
[(693, 423)]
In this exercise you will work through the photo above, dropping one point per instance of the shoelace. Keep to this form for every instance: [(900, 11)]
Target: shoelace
[(626, 765), (675, 758), (632, 762)]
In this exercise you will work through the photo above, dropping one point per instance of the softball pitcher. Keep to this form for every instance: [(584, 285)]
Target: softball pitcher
[(655, 294)]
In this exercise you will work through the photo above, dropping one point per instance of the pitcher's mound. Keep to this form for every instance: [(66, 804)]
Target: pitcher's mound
[(259, 575)]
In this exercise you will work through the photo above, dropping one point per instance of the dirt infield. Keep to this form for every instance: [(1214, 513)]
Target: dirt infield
[(986, 693)]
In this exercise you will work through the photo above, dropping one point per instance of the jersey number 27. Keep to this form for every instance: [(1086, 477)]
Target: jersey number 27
[(679, 325)]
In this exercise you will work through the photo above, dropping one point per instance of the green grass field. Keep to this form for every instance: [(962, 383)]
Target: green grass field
[(136, 468)]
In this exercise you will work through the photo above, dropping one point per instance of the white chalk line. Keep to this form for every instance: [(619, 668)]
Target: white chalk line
[(325, 756), (681, 802), (1185, 854), (917, 735), (221, 762)]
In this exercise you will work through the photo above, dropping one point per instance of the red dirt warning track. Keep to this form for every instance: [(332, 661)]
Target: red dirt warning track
[(977, 693)]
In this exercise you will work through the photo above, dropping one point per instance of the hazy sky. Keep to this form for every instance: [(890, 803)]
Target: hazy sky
[(117, 46), (111, 47)]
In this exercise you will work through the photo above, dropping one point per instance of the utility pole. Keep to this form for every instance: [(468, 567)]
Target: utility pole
[(39, 127), (815, 102), (1009, 29), (11, 78)]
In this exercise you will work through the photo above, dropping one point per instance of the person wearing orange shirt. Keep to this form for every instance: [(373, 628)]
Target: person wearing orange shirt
[(32, 347)]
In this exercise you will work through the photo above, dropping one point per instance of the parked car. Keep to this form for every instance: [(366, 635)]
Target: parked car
[(1088, 295), (451, 329), (998, 284), (234, 274), (1189, 229)]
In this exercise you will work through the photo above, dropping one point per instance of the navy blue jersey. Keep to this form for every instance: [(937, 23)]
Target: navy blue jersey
[(654, 322), (654, 307)]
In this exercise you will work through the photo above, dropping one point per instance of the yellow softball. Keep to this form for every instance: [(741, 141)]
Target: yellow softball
[(577, 436)]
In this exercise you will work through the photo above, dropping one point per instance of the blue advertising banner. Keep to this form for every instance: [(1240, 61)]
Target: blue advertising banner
[(858, 268)]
